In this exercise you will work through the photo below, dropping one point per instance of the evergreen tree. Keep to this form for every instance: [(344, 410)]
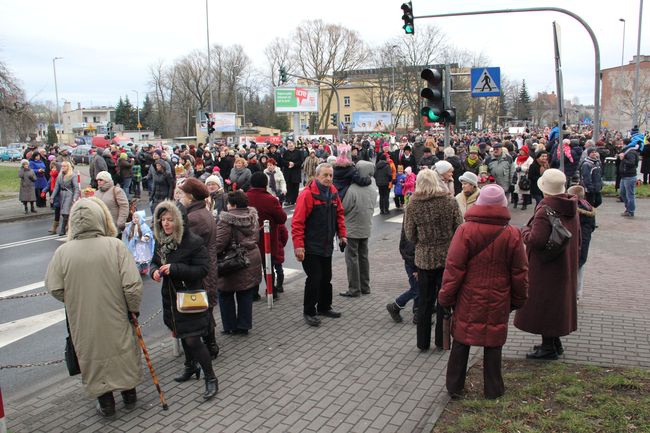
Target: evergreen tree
[(524, 102), (131, 112), (147, 114), (120, 116), (51, 135)]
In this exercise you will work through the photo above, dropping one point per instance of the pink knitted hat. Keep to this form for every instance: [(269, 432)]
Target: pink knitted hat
[(492, 195)]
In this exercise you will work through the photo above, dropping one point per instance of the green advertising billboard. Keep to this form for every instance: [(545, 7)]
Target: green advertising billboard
[(296, 99)]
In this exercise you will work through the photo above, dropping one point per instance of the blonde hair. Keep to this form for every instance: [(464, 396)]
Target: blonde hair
[(70, 173), (239, 158), (428, 184)]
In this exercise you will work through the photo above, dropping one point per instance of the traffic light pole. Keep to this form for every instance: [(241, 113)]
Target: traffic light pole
[(338, 100), (596, 133), (447, 96)]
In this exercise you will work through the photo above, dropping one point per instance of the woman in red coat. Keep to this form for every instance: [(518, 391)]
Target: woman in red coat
[(551, 310), (486, 277)]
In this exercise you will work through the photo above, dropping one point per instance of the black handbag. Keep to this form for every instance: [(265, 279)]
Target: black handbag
[(71, 360), (557, 240), (524, 183), (233, 259)]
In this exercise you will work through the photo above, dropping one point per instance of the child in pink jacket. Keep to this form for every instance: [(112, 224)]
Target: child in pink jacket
[(409, 182)]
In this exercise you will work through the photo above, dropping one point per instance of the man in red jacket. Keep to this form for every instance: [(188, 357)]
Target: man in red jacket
[(318, 216), (268, 208)]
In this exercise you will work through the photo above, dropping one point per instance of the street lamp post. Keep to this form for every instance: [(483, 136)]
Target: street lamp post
[(635, 118), (623, 48), (56, 90), (392, 90), (137, 102)]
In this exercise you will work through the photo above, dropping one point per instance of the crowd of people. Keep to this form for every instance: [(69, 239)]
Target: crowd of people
[(463, 261)]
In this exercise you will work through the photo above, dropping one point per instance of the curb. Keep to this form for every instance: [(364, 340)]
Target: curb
[(14, 218)]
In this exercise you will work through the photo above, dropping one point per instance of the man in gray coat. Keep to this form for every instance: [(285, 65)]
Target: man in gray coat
[(96, 165), (359, 206), (500, 166)]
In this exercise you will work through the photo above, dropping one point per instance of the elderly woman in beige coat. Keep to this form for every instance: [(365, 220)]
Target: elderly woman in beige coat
[(98, 303)]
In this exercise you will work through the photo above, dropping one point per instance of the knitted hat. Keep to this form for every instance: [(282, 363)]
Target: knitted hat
[(123, 156), (259, 180), (469, 177), (195, 187), (23, 162), (51, 158), (492, 195), (213, 179), (443, 167), (216, 169), (104, 175), (552, 182), (473, 149), (158, 152)]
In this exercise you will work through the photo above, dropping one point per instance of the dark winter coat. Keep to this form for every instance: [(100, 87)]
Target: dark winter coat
[(268, 208), (27, 179), (457, 164), (126, 168), (225, 165), (383, 173), (406, 249), (345, 175), (430, 222), (591, 175), (292, 175), (202, 224), (97, 164), (163, 187), (189, 266), (534, 175), (587, 215), (645, 160), (243, 224), (427, 161), (551, 309), (629, 163), (241, 178), (484, 280), (37, 165)]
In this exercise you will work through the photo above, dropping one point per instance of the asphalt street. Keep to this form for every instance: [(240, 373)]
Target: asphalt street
[(33, 330)]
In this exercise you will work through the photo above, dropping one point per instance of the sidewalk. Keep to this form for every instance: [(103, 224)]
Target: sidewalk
[(12, 210), (360, 373)]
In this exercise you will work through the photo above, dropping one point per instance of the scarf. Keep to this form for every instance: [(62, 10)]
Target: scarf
[(272, 184), (523, 158), (472, 162), (167, 245), (325, 191)]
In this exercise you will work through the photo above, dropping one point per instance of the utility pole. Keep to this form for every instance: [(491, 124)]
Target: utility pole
[(137, 102), (207, 31), (635, 117), (56, 90)]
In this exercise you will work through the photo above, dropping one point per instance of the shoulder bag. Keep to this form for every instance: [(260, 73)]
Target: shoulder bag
[(234, 258), (71, 360), (557, 240), (190, 301), (524, 182)]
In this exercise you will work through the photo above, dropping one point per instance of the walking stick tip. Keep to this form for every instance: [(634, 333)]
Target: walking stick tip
[(165, 406)]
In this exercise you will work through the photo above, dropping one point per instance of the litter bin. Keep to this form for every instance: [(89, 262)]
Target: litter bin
[(609, 171)]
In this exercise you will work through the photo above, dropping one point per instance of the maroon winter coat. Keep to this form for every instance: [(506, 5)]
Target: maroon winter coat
[(551, 309), (268, 208), (482, 281), (202, 223), (283, 237)]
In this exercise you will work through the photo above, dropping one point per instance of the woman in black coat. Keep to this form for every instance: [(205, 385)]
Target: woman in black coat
[(181, 262), (535, 172)]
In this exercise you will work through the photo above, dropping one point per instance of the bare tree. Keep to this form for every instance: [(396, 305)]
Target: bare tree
[(278, 54)]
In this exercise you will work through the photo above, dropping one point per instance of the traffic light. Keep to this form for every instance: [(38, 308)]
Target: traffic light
[(211, 127), (433, 93), (408, 26), (449, 116), (335, 118), (283, 75)]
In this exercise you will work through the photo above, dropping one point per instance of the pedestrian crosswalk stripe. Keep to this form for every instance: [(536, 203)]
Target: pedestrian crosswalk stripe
[(15, 330), (396, 219), (19, 290)]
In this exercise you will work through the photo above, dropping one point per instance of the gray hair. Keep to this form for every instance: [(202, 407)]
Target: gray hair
[(321, 166)]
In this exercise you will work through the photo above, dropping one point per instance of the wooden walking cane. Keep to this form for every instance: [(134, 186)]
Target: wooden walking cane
[(267, 264), (138, 333)]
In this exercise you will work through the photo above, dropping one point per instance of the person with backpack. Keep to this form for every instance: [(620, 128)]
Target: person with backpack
[(591, 177)]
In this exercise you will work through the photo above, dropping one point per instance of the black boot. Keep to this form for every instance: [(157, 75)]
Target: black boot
[(106, 404), (211, 387), (32, 205), (546, 351), (556, 343), (191, 368), (25, 204), (210, 341), (129, 397), (524, 207)]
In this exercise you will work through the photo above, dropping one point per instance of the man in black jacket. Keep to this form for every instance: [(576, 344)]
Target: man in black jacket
[(629, 158)]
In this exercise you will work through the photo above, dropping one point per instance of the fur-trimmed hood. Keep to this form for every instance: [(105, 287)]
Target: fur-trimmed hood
[(245, 220), (179, 220)]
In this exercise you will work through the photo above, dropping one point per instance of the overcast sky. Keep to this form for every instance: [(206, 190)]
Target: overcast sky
[(107, 47)]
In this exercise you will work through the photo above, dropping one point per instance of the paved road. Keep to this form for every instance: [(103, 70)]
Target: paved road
[(24, 255)]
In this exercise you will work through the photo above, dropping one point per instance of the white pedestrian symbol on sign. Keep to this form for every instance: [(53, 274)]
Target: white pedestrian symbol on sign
[(485, 84)]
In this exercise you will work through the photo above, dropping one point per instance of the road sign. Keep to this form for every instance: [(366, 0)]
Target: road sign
[(486, 82)]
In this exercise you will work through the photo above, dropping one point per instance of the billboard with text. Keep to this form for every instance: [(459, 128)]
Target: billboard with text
[(296, 99)]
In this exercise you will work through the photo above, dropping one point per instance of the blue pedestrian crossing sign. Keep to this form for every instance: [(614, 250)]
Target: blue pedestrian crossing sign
[(486, 82)]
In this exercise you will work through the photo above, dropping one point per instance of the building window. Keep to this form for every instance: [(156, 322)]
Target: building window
[(95, 119), (346, 101), (346, 118), (85, 119)]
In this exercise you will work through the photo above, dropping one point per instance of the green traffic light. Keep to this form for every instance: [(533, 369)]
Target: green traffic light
[(429, 114), (408, 29)]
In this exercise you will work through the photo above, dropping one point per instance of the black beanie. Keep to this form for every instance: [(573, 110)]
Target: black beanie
[(259, 180)]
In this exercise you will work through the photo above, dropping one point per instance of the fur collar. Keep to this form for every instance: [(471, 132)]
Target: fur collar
[(240, 217), (169, 206)]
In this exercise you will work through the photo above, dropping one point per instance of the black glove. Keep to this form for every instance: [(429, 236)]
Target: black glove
[(129, 313), (512, 307), (446, 312)]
